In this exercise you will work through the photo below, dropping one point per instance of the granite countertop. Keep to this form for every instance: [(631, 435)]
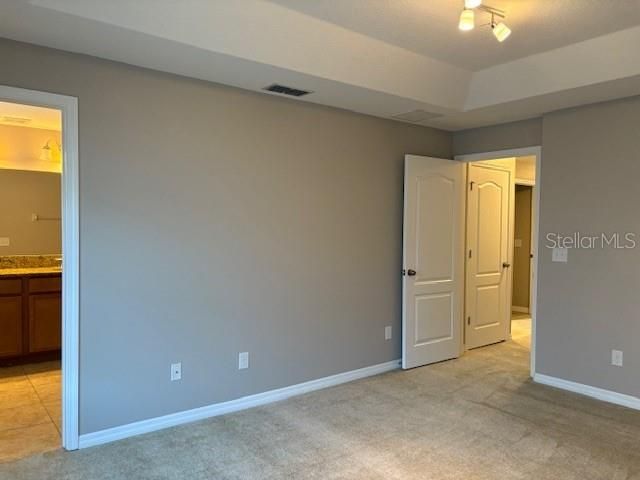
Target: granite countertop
[(21, 265), (20, 272)]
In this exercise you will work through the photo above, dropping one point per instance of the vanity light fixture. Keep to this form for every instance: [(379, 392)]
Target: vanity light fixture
[(48, 154), (467, 19)]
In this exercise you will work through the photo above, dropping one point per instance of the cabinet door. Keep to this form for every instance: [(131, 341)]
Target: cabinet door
[(10, 326), (45, 322)]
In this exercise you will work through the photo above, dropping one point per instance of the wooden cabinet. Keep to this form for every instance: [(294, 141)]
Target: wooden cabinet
[(10, 326), (45, 322), (30, 317)]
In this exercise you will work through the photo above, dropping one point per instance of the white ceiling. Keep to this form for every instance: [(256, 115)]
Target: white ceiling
[(428, 27), (378, 57), (18, 115)]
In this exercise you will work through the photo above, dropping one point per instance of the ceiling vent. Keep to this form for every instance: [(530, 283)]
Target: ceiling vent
[(292, 92), (15, 120), (416, 116)]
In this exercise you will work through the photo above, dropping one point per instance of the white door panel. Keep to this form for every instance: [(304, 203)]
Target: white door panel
[(433, 284), (488, 301)]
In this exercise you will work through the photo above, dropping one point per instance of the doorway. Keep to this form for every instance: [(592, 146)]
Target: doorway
[(522, 259), (467, 261), (500, 237), (40, 278)]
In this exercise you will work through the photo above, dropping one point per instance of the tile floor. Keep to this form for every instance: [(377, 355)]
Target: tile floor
[(30, 410), (521, 329)]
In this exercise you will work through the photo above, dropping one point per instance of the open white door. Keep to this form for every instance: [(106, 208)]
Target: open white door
[(488, 288), (433, 275)]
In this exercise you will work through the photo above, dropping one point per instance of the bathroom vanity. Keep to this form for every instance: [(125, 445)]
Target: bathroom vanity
[(30, 314)]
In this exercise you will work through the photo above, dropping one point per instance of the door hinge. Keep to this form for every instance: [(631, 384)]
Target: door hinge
[(470, 253), (468, 320), (471, 185)]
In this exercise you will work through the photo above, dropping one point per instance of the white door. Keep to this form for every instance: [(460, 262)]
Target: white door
[(488, 288), (433, 272)]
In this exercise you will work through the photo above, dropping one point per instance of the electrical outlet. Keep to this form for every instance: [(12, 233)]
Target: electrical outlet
[(616, 358), (176, 371), (243, 360), (387, 333)]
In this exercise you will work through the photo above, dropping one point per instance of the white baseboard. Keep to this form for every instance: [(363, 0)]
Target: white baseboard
[(594, 392), (515, 308), (188, 416)]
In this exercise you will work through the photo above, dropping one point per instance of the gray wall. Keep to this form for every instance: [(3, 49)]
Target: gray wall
[(526, 133), (590, 305), (588, 184), (23, 193), (215, 221)]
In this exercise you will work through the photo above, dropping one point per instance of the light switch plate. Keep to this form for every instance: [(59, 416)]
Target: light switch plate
[(560, 255), (616, 358), (5, 241), (243, 360), (387, 333)]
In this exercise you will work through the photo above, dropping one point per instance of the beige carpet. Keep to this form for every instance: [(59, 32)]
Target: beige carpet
[(478, 417)]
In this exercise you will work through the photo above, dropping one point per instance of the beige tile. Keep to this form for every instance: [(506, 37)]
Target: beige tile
[(22, 442), (15, 384), (49, 393), (45, 378), (18, 396), (23, 416), (54, 409), (8, 374), (41, 367)]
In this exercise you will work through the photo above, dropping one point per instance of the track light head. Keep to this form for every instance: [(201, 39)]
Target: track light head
[(500, 31), (467, 20)]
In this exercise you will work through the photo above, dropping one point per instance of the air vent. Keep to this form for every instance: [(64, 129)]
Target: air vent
[(416, 116), (292, 92), (16, 120)]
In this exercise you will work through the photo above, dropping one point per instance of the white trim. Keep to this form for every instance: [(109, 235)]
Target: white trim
[(594, 392), (188, 416), (495, 155), (70, 249), (515, 308), (525, 182), (523, 152)]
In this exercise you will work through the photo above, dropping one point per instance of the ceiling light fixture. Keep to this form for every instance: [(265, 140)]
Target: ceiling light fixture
[(467, 19), (500, 31), (472, 3)]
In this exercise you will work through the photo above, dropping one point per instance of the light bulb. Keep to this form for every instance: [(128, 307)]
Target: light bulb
[(472, 3), (467, 20), (501, 31)]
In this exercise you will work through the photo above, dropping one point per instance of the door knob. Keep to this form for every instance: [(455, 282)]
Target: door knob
[(411, 273), (506, 265)]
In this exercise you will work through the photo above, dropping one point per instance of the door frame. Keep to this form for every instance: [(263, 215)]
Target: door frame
[(523, 152), (70, 250)]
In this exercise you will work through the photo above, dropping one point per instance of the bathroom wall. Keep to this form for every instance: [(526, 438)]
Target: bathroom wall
[(21, 148), (22, 194)]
